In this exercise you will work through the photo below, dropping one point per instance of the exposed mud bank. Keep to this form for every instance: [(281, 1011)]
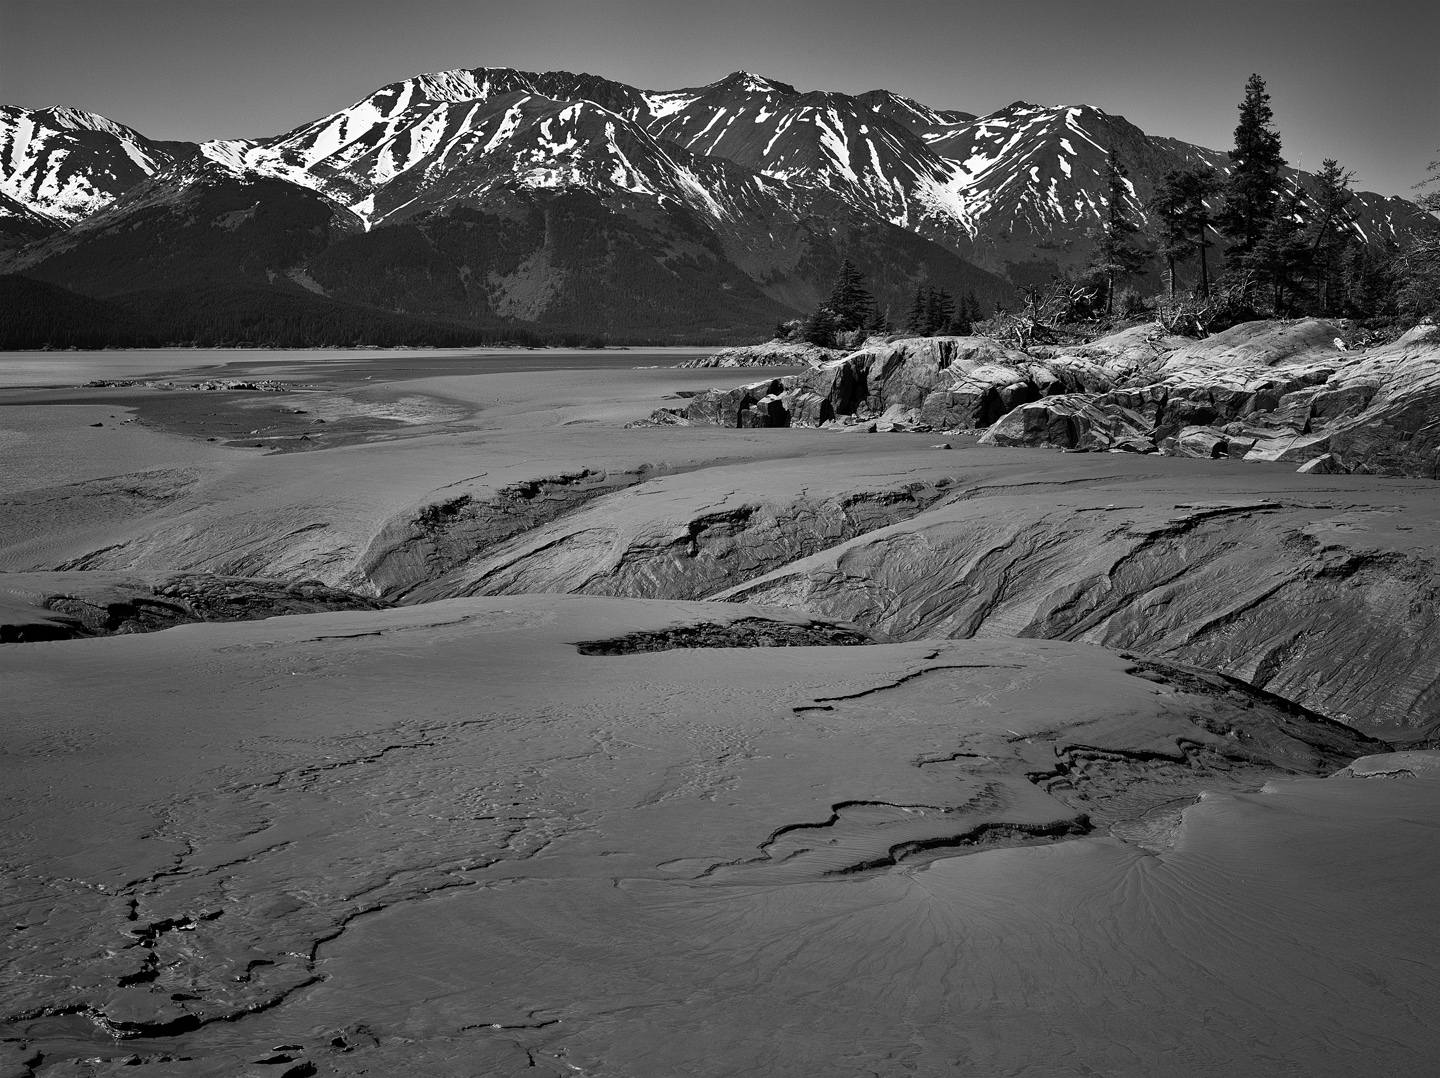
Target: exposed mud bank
[(678, 540), (410, 553), (744, 633), (70, 605), (1256, 589)]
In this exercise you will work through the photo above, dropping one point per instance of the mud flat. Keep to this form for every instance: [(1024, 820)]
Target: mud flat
[(600, 748), (441, 839)]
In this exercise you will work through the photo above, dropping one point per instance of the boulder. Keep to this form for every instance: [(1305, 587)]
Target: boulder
[(1200, 442), (1325, 464), (1297, 448), (1147, 401), (768, 411), (806, 408), (1237, 446), (1071, 421), (727, 407)]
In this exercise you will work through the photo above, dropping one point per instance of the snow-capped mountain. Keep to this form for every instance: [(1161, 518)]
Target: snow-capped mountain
[(465, 194), (425, 151), (64, 164), (1019, 185)]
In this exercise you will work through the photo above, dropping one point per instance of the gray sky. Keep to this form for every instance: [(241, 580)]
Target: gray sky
[(1359, 81)]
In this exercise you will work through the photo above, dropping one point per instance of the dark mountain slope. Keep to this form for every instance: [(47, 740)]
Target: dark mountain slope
[(194, 225)]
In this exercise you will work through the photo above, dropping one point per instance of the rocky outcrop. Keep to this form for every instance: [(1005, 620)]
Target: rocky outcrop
[(769, 354), (1265, 344), (1262, 391), (922, 383), (1073, 421), (1383, 414), (66, 605)]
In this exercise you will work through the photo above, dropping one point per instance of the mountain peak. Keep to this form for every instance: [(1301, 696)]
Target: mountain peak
[(749, 82)]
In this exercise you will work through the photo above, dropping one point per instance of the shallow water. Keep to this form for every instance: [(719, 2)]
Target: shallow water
[(75, 368)]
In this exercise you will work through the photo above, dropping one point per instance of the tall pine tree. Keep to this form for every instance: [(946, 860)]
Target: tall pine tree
[(1117, 254), (939, 311), (1282, 254), (849, 301), (915, 319), (1253, 188), (1331, 231), (1182, 219)]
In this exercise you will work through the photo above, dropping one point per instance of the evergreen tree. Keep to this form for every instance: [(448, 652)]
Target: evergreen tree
[(915, 319), (1419, 264), (849, 301), (1182, 219), (1281, 255), (1369, 280), (939, 312), (1252, 190), (820, 328), (1172, 241), (966, 314), (1117, 255), (1331, 231), (1200, 184)]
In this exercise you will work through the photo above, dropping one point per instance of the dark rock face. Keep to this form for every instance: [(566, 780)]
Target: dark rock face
[(918, 383)]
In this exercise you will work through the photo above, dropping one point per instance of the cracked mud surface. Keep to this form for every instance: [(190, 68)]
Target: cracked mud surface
[(404, 835), (610, 832)]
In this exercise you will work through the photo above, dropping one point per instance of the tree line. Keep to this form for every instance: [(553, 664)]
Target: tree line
[(850, 313), (1285, 247), (43, 315), (1289, 247)]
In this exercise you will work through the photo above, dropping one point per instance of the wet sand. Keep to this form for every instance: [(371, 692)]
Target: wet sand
[(324, 398)]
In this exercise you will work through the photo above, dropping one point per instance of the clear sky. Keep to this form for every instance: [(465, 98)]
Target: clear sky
[(1359, 81)]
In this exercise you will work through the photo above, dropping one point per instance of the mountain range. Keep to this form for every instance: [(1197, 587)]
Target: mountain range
[(507, 199)]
